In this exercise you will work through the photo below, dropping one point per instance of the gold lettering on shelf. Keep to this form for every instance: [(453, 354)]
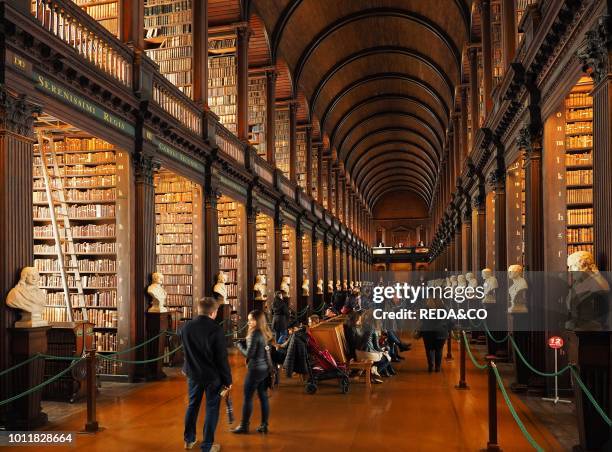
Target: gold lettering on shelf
[(18, 62)]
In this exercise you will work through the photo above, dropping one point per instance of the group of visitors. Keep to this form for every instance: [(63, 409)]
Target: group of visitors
[(208, 372)]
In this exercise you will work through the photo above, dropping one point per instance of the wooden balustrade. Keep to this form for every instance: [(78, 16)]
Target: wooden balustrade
[(229, 144), (177, 104), (87, 37), (261, 167)]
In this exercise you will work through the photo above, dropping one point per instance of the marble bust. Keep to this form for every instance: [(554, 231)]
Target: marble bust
[(471, 280), (461, 281), (338, 285), (490, 285), (517, 290), (260, 288), (284, 286), (320, 287), (158, 294), (344, 285), (29, 298), (306, 286), (330, 286), (588, 299), (453, 281), (219, 287)]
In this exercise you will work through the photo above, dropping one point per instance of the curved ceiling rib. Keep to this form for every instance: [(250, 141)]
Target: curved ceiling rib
[(397, 184), (411, 175), (375, 176), (377, 12), (392, 163), (395, 189), (363, 167)]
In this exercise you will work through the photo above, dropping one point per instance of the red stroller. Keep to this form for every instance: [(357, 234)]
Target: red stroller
[(323, 366)]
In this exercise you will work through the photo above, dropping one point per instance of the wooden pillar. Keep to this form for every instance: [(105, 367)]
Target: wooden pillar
[(326, 269), (330, 180), (145, 240), (242, 100), (466, 237), (132, 23), (473, 57), (200, 51), (463, 124), (271, 116), (293, 141), (479, 231), (456, 149), (16, 232), (278, 248), (314, 261), (334, 271), (508, 32), (320, 174), (497, 182), (211, 231), (487, 57), (337, 193), (251, 244), (299, 266), (309, 160), (458, 258)]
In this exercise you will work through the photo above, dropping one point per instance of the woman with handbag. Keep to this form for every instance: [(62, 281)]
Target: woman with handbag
[(259, 370)]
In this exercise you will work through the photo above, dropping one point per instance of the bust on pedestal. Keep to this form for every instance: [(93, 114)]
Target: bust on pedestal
[(28, 338), (330, 287), (219, 288), (319, 287), (490, 285), (260, 292), (590, 347), (517, 290), (518, 322), (461, 281), (285, 287), (158, 320)]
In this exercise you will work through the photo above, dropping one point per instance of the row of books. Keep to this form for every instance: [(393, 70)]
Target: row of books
[(88, 281), (168, 30), (583, 113), (170, 228), (173, 238), (174, 249), (582, 195), (85, 265), (105, 342), (579, 177), (579, 159), (178, 279), (579, 127), (106, 367), (173, 218), (231, 229), (171, 53), (87, 230), (79, 170), (580, 216), (105, 298), (177, 300), (220, 44), (76, 212), (164, 19), (228, 238), (179, 79), (228, 263), (179, 289), (79, 247), (167, 67), (580, 235), (584, 247), (74, 157), (81, 144), (73, 195), (228, 250), (580, 141), (106, 318), (174, 259), (170, 269), (183, 196), (182, 207), (80, 182), (580, 99)]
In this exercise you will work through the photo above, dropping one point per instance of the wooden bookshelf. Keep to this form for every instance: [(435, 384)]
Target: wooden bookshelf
[(315, 172), (289, 263), (324, 170), (330, 264), (306, 260), (301, 159), (338, 266), (521, 6), (282, 140), (106, 12), (481, 92), (178, 228), (169, 40), (257, 114), (222, 79), (497, 41), (579, 167), (95, 176), (319, 263), (231, 249), (264, 226)]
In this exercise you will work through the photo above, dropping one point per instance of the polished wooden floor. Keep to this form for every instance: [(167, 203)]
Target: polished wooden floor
[(413, 411)]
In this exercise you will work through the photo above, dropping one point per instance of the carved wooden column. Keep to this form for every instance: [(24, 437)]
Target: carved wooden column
[(475, 115), (309, 160), (487, 56), (326, 269), (479, 229), (200, 51), (271, 116), (508, 32), (314, 268), (299, 261), (466, 235), (132, 23), (242, 100), (251, 244), (320, 174), (144, 238), (211, 229), (457, 231), (293, 141), (497, 183), (16, 232), (278, 247), (463, 126), (334, 272)]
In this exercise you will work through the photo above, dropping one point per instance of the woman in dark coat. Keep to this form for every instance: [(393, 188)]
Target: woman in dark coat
[(280, 317), (434, 333)]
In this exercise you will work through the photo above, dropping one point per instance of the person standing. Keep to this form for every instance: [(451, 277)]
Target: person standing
[(258, 358), (434, 333), (207, 370), (280, 317)]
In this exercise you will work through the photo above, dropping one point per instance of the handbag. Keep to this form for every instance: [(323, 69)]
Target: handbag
[(272, 379)]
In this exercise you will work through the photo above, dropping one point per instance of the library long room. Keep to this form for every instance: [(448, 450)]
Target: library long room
[(295, 225)]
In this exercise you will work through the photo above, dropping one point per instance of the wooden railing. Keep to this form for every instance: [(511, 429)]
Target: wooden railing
[(176, 104), (90, 40), (285, 186), (261, 167), (229, 144)]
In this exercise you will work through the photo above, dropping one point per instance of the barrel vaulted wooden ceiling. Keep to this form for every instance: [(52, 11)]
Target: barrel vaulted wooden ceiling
[(378, 77)]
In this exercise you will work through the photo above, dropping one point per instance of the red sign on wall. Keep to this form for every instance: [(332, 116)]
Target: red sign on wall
[(555, 342)]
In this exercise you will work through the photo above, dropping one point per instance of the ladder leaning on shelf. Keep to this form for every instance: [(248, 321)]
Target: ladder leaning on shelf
[(62, 233)]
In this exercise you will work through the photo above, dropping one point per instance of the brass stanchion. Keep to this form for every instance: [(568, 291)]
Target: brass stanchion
[(92, 424), (492, 445), (449, 346), (462, 384)]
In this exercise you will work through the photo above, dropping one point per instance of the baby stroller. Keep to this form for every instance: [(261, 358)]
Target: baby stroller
[(323, 366)]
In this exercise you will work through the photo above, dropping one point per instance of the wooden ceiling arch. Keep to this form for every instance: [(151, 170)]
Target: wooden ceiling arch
[(400, 189), (386, 158), (383, 171), (396, 182)]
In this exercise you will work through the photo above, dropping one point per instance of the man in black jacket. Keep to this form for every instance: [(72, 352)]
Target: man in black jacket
[(207, 370)]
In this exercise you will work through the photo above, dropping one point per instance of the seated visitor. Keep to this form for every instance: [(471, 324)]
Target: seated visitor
[(313, 320), (368, 348)]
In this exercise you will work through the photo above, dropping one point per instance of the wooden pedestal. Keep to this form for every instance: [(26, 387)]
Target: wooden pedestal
[(518, 324), (25, 343), (592, 353), (224, 314), (156, 323)]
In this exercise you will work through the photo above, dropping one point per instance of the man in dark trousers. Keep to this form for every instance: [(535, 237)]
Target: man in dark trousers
[(207, 370)]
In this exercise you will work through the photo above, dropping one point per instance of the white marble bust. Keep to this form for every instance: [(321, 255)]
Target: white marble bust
[(471, 280), (351, 285), (260, 288), (320, 287), (517, 290), (338, 285), (29, 298), (490, 285), (306, 286), (285, 286), (453, 281), (461, 281), (344, 285), (219, 287), (330, 286), (158, 294)]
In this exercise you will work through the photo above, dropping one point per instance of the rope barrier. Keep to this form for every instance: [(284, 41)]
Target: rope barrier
[(533, 369), (497, 341), (515, 415), (469, 351), (41, 385), (23, 363), (590, 396), (144, 361)]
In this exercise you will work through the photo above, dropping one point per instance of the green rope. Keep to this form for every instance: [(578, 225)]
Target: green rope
[(23, 363), (60, 358), (590, 396), (516, 417), (497, 341), (533, 369), (41, 385), (469, 351), (135, 347), (144, 361)]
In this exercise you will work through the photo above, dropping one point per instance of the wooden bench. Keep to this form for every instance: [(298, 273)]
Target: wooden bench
[(366, 368)]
